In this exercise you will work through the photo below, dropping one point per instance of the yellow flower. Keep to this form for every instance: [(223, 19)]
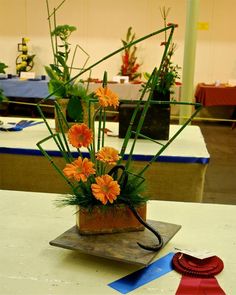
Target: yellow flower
[(24, 48), (23, 56), (23, 64), (105, 189), (26, 40), (108, 155)]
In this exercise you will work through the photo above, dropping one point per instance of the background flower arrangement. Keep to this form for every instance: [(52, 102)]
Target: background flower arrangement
[(24, 61), (169, 72), (130, 66)]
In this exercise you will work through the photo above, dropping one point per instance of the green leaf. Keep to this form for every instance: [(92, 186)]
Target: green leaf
[(50, 73), (61, 61), (58, 87), (74, 109), (3, 67), (57, 72)]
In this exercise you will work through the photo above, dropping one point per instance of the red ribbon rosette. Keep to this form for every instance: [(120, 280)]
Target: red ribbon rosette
[(198, 274)]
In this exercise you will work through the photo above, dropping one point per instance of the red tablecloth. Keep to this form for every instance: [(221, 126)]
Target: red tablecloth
[(210, 95)]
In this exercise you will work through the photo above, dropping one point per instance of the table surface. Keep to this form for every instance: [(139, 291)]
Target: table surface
[(29, 265), (39, 89), (188, 147), (211, 95)]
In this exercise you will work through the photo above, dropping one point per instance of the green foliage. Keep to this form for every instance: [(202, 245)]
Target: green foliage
[(63, 32), (83, 197), (60, 74), (169, 72), (3, 66)]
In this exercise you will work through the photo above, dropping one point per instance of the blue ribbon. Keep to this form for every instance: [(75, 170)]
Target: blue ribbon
[(21, 125), (143, 276)]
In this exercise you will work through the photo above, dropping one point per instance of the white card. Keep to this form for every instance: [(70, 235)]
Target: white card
[(200, 254), (27, 75)]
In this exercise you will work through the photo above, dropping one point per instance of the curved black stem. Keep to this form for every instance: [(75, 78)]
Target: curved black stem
[(114, 170), (149, 227), (124, 174)]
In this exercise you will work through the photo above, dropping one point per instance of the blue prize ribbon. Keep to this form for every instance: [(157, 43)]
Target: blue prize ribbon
[(144, 275)]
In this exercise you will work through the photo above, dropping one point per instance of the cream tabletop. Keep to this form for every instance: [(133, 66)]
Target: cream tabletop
[(30, 266), (189, 146), (178, 174)]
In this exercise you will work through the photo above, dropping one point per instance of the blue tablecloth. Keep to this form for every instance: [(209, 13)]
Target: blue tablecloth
[(24, 88)]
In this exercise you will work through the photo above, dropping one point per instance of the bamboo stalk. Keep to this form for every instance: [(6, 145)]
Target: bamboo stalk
[(39, 144), (169, 141), (171, 28)]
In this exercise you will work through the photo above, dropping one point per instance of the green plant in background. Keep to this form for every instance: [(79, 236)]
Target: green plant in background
[(60, 73), (169, 72), (61, 84), (129, 65), (3, 66)]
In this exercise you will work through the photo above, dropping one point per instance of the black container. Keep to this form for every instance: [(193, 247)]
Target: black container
[(157, 121)]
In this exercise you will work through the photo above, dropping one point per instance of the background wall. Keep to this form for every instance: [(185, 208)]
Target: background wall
[(102, 23)]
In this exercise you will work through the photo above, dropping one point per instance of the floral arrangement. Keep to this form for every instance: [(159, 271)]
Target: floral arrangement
[(100, 175), (95, 178), (129, 65), (95, 174), (24, 61)]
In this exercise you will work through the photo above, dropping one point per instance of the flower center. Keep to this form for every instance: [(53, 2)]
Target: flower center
[(81, 137), (105, 189), (79, 170)]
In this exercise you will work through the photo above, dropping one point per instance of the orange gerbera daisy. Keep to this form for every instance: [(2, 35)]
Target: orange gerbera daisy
[(79, 169), (108, 155), (105, 189), (80, 135), (106, 97)]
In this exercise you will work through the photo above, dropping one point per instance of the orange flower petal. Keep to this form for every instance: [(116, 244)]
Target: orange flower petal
[(108, 155), (79, 169), (105, 189), (106, 97), (80, 135)]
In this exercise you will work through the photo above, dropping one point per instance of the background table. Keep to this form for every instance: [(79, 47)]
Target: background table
[(29, 265), (39, 89), (24, 94), (24, 88), (214, 96), (179, 173), (211, 95)]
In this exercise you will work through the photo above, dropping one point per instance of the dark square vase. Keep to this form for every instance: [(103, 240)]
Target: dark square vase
[(156, 124)]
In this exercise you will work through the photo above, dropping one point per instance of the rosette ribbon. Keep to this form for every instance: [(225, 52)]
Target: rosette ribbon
[(198, 275)]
